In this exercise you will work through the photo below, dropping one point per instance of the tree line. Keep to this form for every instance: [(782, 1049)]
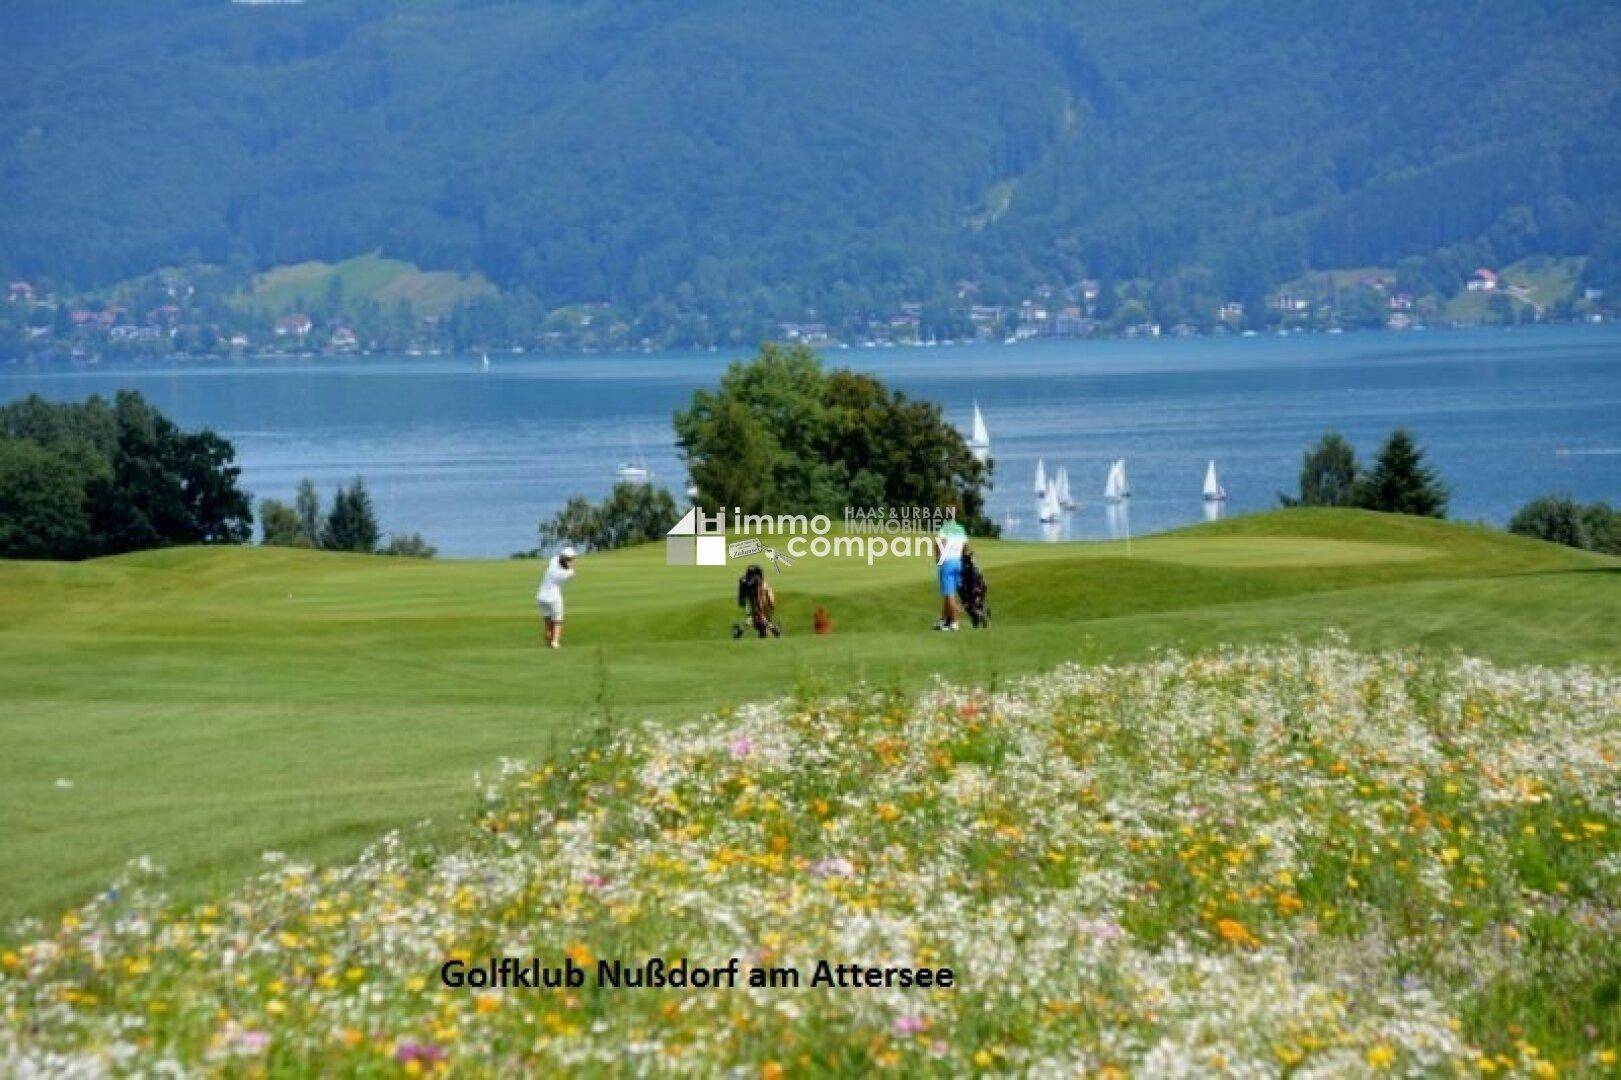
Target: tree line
[(1398, 483), (350, 524), (1401, 483), (80, 480)]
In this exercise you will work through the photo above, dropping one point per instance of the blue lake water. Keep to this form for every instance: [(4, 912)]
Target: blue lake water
[(473, 460)]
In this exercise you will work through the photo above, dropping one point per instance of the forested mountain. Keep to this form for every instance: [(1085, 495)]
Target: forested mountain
[(733, 157)]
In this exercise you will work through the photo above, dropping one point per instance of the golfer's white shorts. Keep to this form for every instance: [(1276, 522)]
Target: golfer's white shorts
[(551, 609)]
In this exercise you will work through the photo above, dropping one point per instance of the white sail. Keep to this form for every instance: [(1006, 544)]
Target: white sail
[(1041, 478), (1065, 499), (485, 364), (1050, 508), (1213, 491), (1116, 487), (979, 441)]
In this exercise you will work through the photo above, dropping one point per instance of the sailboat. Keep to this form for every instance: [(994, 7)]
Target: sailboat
[(635, 472), (484, 365), (1061, 486), (979, 442), (1050, 509), (1116, 488), (1041, 478), (1213, 491)]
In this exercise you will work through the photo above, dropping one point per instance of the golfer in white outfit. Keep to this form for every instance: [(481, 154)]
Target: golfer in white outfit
[(550, 596)]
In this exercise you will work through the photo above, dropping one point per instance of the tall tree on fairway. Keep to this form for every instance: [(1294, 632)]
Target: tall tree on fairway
[(782, 435), (352, 525), (307, 505), (1400, 482), (280, 526), (1328, 474), (740, 476)]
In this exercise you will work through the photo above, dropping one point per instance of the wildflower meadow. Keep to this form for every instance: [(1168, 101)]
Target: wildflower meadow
[(1301, 860)]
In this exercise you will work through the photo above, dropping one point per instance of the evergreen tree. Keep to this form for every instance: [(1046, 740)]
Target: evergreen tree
[(351, 526), (1400, 482), (307, 505), (1328, 474)]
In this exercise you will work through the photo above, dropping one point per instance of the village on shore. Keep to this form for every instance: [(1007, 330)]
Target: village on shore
[(178, 314)]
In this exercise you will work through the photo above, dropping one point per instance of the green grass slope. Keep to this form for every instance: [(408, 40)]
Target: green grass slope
[(208, 704), (363, 278)]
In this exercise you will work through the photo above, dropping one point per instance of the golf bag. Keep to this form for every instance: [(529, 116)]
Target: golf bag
[(972, 591)]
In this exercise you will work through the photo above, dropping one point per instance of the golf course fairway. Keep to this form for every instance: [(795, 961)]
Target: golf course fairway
[(203, 705)]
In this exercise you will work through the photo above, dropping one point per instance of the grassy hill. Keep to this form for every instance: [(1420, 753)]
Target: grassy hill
[(364, 278), (1536, 283), (208, 704)]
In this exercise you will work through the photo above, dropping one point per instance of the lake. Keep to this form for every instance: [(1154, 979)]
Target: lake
[(473, 459)]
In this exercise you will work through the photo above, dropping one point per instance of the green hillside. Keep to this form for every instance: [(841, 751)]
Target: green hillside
[(204, 705), (742, 161), (372, 278)]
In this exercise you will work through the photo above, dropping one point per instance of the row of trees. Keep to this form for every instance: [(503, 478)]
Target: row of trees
[(631, 514), (92, 478), (1562, 520), (85, 479), (349, 525), (1399, 482), (780, 435)]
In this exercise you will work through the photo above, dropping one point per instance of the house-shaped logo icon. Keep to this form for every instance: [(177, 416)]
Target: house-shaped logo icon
[(698, 539)]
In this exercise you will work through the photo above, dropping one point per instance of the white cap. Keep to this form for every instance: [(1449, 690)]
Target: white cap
[(567, 552)]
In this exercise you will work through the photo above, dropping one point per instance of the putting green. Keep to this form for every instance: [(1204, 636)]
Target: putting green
[(1271, 552)]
